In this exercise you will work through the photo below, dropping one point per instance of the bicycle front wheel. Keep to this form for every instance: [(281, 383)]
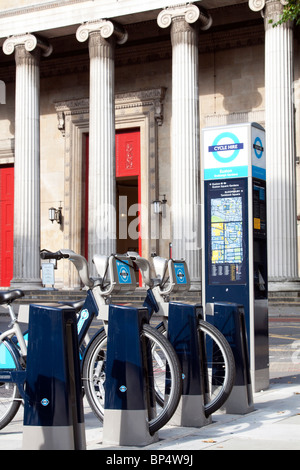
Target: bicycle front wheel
[(163, 359), (219, 366), (10, 401)]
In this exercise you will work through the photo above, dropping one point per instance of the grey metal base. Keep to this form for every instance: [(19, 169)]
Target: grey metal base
[(53, 438), (127, 428), (190, 412), (240, 400)]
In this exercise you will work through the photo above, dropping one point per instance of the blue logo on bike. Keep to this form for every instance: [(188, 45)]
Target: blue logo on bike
[(84, 315), (123, 388), (180, 273), (45, 402), (123, 272)]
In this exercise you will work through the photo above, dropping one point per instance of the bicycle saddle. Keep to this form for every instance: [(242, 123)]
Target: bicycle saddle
[(7, 297), (77, 305)]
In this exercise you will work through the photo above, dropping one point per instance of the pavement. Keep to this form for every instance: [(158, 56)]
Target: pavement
[(273, 425)]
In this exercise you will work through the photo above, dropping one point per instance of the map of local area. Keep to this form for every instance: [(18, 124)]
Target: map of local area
[(226, 230)]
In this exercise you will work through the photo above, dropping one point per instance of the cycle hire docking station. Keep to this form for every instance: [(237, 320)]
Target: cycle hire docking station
[(129, 388), (182, 319), (230, 319), (53, 409), (235, 233)]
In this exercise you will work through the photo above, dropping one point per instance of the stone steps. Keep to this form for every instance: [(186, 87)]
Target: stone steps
[(285, 299), (138, 296)]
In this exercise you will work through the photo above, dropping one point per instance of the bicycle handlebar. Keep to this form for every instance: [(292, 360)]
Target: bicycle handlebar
[(167, 279), (143, 265), (104, 267), (79, 261), (161, 265), (45, 254)]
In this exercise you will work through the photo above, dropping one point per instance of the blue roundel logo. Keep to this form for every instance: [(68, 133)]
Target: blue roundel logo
[(124, 274), (180, 275), (232, 147), (258, 147)]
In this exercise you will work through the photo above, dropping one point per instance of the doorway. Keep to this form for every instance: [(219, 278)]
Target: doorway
[(128, 192), (128, 214)]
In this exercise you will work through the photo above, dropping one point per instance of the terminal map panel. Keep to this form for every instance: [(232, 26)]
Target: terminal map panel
[(227, 230)]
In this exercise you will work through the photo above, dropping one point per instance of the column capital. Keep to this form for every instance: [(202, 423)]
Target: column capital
[(257, 5), (190, 12), (105, 27), (29, 41)]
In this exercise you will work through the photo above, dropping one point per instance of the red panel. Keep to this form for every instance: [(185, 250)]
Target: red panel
[(6, 224), (128, 153)]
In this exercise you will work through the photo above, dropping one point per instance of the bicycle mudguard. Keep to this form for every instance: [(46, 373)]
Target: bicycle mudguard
[(10, 367), (9, 355)]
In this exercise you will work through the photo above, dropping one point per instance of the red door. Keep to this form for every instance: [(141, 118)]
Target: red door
[(128, 183), (6, 224)]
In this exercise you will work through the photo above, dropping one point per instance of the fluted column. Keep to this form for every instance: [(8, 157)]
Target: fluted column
[(280, 143), (27, 50), (102, 176), (185, 140)]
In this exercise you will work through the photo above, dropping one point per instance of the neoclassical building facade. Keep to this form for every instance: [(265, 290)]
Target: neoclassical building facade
[(102, 115)]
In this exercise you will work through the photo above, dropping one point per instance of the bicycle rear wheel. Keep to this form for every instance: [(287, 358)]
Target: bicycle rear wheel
[(163, 358), (10, 398)]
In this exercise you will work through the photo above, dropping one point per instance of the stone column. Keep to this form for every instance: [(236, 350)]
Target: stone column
[(102, 176), (28, 49), (185, 133), (280, 145)]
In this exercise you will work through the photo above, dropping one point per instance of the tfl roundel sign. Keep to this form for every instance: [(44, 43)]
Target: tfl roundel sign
[(226, 147)]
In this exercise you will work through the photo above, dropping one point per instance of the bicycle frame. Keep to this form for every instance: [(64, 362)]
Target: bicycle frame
[(157, 297), (86, 315), (95, 305)]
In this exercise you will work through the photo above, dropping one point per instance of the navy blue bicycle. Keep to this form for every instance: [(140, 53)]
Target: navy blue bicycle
[(114, 274)]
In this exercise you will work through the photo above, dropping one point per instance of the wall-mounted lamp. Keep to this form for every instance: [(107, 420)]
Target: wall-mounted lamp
[(158, 205), (55, 214)]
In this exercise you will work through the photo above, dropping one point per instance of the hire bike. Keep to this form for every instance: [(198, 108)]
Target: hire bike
[(172, 277), (220, 365), (13, 348), (96, 304)]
